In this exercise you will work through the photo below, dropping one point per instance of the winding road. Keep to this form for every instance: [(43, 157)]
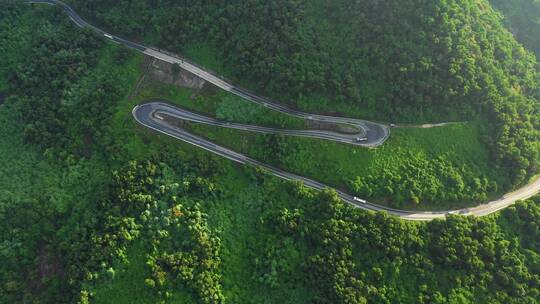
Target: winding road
[(151, 115), (375, 134), (164, 109)]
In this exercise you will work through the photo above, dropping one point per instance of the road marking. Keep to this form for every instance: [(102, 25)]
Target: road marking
[(507, 200)]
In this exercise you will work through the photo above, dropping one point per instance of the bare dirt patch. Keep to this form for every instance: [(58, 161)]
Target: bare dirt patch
[(174, 121), (172, 74), (335, 127)]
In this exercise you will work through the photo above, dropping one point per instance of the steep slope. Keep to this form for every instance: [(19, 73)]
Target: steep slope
[(131, 217), (522, 17), (414, 61)]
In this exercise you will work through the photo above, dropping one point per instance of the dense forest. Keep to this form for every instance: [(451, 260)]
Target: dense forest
[(95, 210), (450, 60), (523, 19)]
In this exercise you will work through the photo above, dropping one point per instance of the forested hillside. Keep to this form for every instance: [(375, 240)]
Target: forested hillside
[(389, 60), (94, 209), (523, 19)]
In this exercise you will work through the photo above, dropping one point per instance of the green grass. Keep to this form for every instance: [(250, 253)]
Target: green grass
[(219, 104), (25, 173), (338, 164), (128, 283), (335, 164)]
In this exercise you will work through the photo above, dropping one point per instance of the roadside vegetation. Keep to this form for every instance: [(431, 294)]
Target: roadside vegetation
[(94, 209), (442, 61), (422, 169), (218, 104)]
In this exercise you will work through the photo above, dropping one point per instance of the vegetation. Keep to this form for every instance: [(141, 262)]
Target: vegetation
[(218, 104), (151, 198), (440, 168), (415, 169), (523, 21), (450, 60), (96, 210)]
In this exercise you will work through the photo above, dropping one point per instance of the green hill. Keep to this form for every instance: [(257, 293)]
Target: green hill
[(95, 209), (522, 18), (387, 60)]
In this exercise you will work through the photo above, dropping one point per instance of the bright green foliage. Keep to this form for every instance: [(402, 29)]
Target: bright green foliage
[(184, 249), (442, 167), (439, 168), (218, 104), (359, 257), (414, 178), (421, 60), (231, 108), (134, 217)]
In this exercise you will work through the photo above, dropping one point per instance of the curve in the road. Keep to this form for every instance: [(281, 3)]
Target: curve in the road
[(151, 115), (376, 133), (148, 115), (183, 114)]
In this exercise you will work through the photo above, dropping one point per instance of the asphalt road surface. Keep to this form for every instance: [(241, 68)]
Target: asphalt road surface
[(151, 115), (376, 133), (186, 115)]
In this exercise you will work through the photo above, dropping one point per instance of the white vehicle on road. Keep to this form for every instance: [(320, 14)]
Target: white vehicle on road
[(108, 36), (360, 139), (357, 199)]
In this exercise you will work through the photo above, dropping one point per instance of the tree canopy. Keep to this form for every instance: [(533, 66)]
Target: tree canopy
[(92, 207), (450, 60)]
